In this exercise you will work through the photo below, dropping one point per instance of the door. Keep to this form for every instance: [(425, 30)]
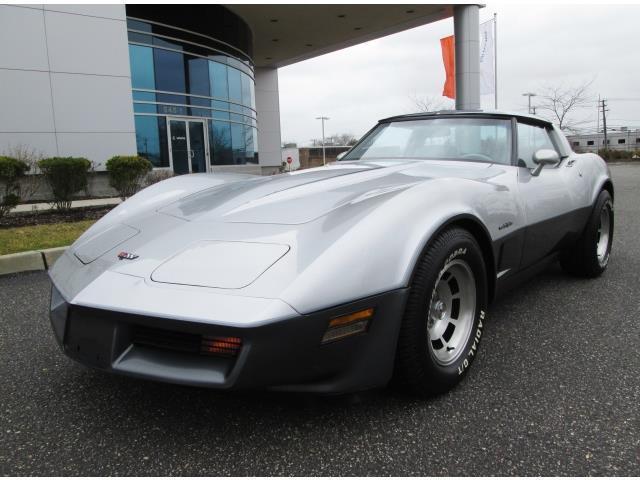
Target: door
[(188, 145), (552, 208)]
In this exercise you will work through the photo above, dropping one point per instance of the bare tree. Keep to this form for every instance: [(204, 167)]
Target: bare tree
[(429, 103), (339, 139), (561, 104), (30, 183)]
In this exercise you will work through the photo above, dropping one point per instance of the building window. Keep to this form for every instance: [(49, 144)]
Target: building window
[(149, 132), (576, 144), (621, 141), (219, 84), (198, 72), (637, 140), (235, 85), (220, 143), (141, 60), (169, 67), (590, 142), (172, 78)]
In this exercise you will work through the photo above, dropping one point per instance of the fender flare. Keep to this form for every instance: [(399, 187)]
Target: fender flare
[(480, 232)]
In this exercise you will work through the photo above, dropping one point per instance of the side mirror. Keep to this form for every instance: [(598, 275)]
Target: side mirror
[(542, 157), (341, 154)]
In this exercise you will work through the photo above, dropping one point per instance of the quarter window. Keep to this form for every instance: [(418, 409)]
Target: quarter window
[(531, 138)]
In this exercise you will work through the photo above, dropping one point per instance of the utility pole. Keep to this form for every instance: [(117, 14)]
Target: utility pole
[(529, 94), (598, 117), (604, 121), (324, 157)]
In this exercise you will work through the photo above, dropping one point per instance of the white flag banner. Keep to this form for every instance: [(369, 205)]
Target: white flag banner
[(487, 71)]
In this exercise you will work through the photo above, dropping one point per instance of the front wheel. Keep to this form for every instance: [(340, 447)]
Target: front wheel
[(443, 320), (590, 256)]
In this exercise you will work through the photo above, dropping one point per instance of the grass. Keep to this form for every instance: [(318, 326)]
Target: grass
[(38, 237)]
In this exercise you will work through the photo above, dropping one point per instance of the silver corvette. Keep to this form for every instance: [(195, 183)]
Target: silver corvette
[(340, 278)]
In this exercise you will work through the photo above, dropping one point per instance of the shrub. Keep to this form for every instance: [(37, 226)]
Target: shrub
[(156, 176), (66, 176), (126, 173), (11, 170)]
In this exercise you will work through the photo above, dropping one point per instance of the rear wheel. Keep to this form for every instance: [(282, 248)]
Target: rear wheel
[(590, 256), (443, 320)]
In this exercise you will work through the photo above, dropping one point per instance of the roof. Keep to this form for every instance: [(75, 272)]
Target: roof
[(467, 113), (289, 33)]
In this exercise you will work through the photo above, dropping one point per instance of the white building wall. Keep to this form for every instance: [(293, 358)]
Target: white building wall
[(65, 86), (268, 113)]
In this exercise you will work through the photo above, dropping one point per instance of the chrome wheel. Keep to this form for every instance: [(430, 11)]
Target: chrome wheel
[(604, 234), (452, 311)]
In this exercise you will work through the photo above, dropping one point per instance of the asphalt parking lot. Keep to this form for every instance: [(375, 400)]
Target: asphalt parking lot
[(555, 390)]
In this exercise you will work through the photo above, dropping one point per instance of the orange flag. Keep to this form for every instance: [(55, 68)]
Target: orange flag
[(449, 60)]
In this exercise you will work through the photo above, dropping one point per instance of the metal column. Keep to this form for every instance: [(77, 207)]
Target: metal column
[(467, 51)]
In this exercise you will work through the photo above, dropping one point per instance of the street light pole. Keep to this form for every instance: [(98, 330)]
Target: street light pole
[(529, 94), (324, 157)]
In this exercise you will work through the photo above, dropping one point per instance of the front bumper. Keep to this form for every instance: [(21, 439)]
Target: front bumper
[(282, 355)]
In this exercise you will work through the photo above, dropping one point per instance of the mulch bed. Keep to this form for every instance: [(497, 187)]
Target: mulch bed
[(24, 219)]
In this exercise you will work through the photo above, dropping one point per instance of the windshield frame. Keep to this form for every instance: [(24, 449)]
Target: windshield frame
[(427, 117)]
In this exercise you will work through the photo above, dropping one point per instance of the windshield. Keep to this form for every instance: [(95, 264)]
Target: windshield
[(477, 139)]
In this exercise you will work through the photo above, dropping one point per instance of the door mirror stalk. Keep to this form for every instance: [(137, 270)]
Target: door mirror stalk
[(542, 157)]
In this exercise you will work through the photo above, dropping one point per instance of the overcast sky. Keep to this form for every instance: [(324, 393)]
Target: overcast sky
[(537, 45)]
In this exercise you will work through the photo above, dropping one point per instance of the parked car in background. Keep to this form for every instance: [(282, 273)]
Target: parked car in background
[(334, 279)]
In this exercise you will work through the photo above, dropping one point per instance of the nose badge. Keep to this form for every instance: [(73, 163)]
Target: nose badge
[(127, 256)]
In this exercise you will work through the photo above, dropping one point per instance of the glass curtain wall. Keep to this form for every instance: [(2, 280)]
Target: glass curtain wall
[(175, 73)]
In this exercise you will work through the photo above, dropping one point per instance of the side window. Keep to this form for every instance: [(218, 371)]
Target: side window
[(530, 139)]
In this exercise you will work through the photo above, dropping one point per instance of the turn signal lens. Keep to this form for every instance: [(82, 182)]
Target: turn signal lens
[(347, 325)]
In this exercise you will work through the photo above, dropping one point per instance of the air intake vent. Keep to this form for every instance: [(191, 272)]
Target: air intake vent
[(186, 342)]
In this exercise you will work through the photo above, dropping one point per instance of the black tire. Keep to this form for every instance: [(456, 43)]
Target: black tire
[(416, 365), (582, 260)]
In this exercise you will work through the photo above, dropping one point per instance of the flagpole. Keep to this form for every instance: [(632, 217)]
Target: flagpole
[(495, 58)]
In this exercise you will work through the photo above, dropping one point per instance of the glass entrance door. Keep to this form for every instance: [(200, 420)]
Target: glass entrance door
[(197, 147), (188, 145)]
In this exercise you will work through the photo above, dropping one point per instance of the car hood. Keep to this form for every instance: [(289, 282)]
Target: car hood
[(258, 238), (303, 196)]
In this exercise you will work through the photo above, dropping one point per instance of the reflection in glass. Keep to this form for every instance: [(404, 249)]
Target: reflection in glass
[(235, 85), (238, 143), (219, 84), (246, 89), (220, 143), (249, 145), (148, 139)]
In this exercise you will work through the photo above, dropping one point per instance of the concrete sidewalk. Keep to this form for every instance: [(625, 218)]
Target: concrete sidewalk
[(28, 207), (30, 261)]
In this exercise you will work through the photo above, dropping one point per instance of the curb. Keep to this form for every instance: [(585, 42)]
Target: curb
[(29, 261)]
